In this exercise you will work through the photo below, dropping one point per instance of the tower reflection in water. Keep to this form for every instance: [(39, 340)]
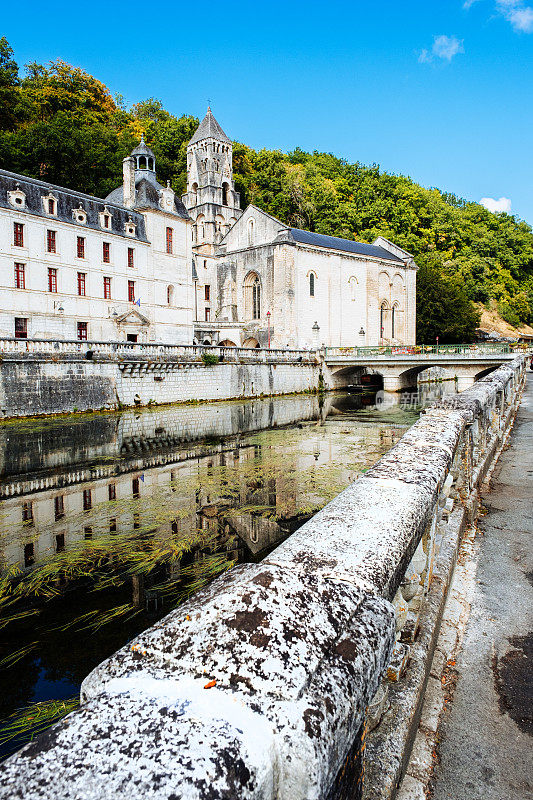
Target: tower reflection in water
[(108, 521)]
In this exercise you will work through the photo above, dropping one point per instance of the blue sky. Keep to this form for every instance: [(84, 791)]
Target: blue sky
[(440, 90)]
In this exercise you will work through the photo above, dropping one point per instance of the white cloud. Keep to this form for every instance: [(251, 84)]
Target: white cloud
[(444, 47), (521, 18), (516, 12), (497, 206)]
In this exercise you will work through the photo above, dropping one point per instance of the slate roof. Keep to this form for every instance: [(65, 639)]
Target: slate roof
[(142, 149), (209, 129), (147, 194), (67, 202), (346, 245)]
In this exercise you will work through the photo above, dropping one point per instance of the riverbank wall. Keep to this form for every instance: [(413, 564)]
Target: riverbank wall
[(264, 685), (96, 378)]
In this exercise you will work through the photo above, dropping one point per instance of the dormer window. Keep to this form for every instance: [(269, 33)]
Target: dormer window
[(50, 205), (130, 227), (105, 218), (17, 198), (79, 215)]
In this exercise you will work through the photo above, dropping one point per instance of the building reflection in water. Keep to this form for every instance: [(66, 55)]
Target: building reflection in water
[(110, 520)]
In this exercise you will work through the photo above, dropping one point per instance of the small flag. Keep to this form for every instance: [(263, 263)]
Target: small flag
[(142, 477), (138, 303)]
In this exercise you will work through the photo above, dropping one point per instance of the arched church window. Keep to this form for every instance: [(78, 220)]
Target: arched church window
[(225, 194), (352, 283), (251, 232), (200, 228), (142, 162), (383, 311), (256, 300), (194, 190), (170, 295), (252, 296), (312, 284)]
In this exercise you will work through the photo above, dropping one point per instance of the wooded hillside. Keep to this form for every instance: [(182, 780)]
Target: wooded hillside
[(60, 124)]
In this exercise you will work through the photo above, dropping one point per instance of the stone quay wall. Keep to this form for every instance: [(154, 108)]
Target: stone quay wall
[(44, 377), (263, 686)]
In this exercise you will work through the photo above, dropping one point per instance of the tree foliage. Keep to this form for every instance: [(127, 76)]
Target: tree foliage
[(61, 124)]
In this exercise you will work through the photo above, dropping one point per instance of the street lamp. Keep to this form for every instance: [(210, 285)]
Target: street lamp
[(316, 331), (268, 325)]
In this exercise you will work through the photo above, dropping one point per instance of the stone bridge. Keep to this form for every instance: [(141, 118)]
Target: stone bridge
[(400, 369), (301, 677)]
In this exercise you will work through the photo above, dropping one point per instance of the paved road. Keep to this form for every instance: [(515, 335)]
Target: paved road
[(487, 746)]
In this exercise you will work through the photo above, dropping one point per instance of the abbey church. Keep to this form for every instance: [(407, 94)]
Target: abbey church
[(145, 265)]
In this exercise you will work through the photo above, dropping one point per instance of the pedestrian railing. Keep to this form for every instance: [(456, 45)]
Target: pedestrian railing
[(479, 349)]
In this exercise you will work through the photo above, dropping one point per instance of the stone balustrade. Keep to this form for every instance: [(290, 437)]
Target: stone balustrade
[(262, 685), (132, 351)]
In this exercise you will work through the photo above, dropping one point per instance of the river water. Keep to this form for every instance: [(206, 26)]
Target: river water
[(108, 521)]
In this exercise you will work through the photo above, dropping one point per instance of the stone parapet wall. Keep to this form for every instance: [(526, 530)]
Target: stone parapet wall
[(259, 687), (32, 384)]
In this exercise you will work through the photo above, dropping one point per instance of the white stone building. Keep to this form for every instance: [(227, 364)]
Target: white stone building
[(260, 282), (145, 265), (74, 266)]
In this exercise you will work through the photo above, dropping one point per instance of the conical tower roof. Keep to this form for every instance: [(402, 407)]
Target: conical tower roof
[(142, 149), (209, 129)]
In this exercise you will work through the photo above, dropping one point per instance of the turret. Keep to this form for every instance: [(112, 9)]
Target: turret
[(211, 199)]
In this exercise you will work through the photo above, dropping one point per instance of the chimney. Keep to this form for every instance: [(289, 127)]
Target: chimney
[(128, 171)]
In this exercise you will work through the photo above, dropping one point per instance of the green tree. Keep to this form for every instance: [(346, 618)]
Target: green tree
[(9, 86), (442, 307)]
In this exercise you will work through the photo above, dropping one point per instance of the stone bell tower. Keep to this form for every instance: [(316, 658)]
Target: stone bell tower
[(211, 199)]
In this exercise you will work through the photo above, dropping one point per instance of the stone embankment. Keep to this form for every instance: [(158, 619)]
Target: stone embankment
[(55, 377), (264, 684)]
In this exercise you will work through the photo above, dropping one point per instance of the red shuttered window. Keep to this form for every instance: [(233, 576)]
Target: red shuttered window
[(131, 262), (107, 288), (131, 291), (169, 240), (20, 276), (52, 279), (21, 328), (81, 247), (106, 252), (18, 234), (81, 283), (51, 241)]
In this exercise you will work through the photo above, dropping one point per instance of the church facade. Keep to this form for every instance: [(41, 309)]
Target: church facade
[(146, 265)]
